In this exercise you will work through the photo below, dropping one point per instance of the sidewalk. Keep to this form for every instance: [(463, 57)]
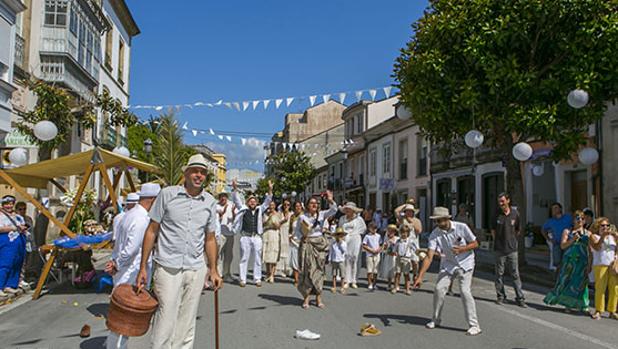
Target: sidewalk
[(535, 270)]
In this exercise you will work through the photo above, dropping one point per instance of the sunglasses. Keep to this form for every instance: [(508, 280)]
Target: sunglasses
[(604, 225), (578, 218)]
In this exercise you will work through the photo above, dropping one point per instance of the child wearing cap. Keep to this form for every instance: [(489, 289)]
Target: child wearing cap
[(372, 246), (389, 261), (338, 249), (406, 253)]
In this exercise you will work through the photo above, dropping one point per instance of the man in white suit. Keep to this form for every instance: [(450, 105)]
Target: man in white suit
[(129, 243), (248, 223)]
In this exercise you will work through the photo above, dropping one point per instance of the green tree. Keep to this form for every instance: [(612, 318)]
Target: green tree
[(170, 154), (137, 135), (506, 67), (292, 171)]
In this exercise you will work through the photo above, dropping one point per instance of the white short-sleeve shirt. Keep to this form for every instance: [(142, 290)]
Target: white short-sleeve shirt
[(458, 235), (373, 242)]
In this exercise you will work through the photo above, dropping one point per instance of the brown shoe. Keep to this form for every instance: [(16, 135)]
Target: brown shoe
[(85, 332), (258, 284)]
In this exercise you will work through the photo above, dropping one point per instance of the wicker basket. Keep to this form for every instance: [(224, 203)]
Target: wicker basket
[(129, 312)]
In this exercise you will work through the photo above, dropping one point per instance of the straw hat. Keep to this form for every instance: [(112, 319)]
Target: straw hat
[(408, 207), (197, 160), (351, 205), (440, 212), (391, 227), (340, 231)]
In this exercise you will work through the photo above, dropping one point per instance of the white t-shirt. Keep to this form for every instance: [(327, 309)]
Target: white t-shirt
[(225, 214), (337, 251), (607, 253), (373, 242), (458, 235), (355, 226), (406, 248)]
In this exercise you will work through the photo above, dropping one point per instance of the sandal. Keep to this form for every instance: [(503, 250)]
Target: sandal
[(370, 331), (613, 316), (305, 306), (321, 305), (596, 316)]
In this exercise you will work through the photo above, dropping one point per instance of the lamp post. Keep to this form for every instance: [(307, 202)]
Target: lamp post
[(148, 151)]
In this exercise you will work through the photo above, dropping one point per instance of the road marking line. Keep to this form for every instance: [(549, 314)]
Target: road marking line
[(557, 327)]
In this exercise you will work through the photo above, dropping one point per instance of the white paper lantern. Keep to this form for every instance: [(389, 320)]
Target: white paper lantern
[(122, 151), (18, 156), (45, 130), (284, 196), (538, 170), (403, 113), (577, 98), (474, 139), (294, 194), (588, 156), (522, 151)]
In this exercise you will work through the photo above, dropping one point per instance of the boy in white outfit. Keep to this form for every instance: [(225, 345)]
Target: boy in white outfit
[(338, 249), (372, 245), (406, 253)]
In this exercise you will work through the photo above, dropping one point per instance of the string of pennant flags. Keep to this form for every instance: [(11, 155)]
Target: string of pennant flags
[(254, 104)]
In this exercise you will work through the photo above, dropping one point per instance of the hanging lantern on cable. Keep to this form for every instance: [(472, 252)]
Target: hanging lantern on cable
[(577, 98), (402, 112), (522, 151), (294, 194), (45, 130), (538, 170), (474, 139), (18, 156), (588, 156)]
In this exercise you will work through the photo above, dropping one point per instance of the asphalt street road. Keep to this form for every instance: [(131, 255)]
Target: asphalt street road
[(268, 317)]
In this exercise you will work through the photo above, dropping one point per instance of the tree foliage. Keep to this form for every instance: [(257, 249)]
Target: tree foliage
[(170, 154), (292, 171), (506, 67)]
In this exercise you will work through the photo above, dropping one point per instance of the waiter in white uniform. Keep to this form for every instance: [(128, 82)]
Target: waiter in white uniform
[(129, 241)]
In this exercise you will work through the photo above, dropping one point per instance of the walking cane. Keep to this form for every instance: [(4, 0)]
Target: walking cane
[(217, 318)]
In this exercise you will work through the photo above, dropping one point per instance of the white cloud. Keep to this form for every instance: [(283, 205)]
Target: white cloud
[(235, 152)]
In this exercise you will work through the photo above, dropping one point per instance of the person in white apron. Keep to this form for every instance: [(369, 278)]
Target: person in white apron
[(129, 239)]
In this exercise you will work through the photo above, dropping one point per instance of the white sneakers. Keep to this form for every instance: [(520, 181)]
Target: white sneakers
[(474, 331), (306, 334)]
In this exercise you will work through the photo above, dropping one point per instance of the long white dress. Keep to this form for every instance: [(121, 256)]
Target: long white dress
[(355, 229), (294, 239), (284, 232)]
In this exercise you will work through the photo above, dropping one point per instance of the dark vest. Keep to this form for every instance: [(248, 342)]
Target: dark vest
[(250, 221)]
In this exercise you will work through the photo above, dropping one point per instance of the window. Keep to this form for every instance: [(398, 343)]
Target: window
[(360, 123), (421, 156), (120, 61), (386, 158), (372, 162), (74, 23), (403, 159), (56, 13), (97, 48), (349, 124), (89, 46), (109, 40)]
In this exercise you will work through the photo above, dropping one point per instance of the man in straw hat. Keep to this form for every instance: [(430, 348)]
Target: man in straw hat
[(457, 243), (248, 223), (183, 220), (126, 263)]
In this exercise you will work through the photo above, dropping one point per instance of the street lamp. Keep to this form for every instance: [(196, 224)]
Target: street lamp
[(148, 151)]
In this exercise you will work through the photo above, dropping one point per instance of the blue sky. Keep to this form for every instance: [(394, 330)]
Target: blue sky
[(247, 50)]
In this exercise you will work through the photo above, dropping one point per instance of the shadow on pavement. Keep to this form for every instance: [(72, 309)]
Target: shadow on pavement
[(93, 343), (98, 309), (28, 342), (282, 300)]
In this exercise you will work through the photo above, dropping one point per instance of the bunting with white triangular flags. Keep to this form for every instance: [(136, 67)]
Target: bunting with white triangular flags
[(236, 106), (194, 133), (229, 138), (312, 100), (387, 91), (185, 126), (220, 137), (342, 96), (245, 105), (372, 94), (255, 104), (266, 103), (325, 98), (289, 101), (278, 103), (359, 95), (211, 131)]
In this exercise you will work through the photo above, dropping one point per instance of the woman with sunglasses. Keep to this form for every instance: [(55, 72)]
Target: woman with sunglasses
[(313, 248), (603, 243), (571, 288)]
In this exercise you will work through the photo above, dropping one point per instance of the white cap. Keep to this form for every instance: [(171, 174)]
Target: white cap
[(132, 198), (149, 190)]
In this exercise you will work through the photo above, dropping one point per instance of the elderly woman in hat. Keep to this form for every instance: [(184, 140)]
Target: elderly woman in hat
[(313, 248), (354, 226), (12, 246)]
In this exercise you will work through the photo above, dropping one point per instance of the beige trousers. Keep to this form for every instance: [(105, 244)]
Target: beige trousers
[(178, 292)]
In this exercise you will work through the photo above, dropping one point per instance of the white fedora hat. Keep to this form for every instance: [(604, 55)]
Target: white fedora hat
[(351, 205), (197, 160), (408, 207), (132, 198), (440, 212), (149, 190)]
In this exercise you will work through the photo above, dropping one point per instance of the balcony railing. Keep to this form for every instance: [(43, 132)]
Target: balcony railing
[(19, 51), (60, 40), (110, 137)]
